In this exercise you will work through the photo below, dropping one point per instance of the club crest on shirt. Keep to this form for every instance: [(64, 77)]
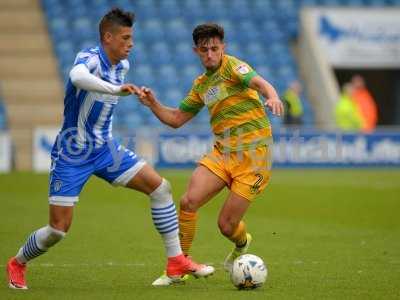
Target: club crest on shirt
[(211, 94), (243, 69), (57, 185)]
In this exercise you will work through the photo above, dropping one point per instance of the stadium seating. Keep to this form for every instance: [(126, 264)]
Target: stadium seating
[(162, 57)]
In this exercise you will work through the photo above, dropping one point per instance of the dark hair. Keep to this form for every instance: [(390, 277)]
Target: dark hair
[(207, 31), (115, 17)]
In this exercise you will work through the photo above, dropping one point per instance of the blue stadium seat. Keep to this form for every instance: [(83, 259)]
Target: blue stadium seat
[(256, 54), (192, 71), (188, 75), (139, 54), (59, 29), (193, 10), (240, 11), (83, 26), (167, 77), (251, 29), (161, 54), (355, 3), (264, 71), (173, 97), (177, 30), (216, 9), (169, 10), (184, 55), (331, 2), (152, 30), (235, 49), (309, 2), (376, 3), (142, 75)]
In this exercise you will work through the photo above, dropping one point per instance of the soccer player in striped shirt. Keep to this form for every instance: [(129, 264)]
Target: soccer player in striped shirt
[(240, 159), (85, 146)]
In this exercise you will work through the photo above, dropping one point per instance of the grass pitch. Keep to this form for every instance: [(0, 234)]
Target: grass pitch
[(324, 234)]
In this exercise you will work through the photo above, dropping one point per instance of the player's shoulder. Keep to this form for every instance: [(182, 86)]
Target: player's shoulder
[(88, 55), (200, 79), (236, 65), (90, 51), (232, 61)]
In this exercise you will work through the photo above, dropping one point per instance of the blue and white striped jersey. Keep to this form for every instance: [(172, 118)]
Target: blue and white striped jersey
[(88, 115)]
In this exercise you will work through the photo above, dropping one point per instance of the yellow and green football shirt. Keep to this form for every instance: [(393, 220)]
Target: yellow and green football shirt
[(237, 116)]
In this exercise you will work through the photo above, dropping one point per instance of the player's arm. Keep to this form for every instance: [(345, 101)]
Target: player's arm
[(83, 79), (173, 117), (269, 93)]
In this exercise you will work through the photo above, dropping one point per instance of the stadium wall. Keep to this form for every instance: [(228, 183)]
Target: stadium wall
[(165, 148), (319, 77)]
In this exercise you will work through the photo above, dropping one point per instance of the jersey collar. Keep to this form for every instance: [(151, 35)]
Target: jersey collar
[(104, 58)]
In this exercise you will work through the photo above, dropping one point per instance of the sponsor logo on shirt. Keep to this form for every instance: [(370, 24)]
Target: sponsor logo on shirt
[(211, 94), (243, 69)]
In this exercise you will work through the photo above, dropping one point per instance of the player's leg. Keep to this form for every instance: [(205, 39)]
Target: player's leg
[(60, 218), (232, 226), (66, 182), (163, 211), (250, 172), (165, 220), (203, 186), (136, 174), (38, 243)]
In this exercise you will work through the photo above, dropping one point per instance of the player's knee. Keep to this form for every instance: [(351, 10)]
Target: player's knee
[(55, 236), (226, 227), (165, 187), (163, 192), (189, 203), (49, 236)]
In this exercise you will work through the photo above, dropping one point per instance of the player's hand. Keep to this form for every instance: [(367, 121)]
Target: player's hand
[(275, 105), (130, 89), (147, 97)]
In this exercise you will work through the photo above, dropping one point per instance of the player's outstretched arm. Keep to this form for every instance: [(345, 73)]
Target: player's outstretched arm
[(173, 117), (269, 93), (83, 79)]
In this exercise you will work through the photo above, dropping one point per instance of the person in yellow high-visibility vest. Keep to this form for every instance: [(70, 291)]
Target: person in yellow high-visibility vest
[(293, 105), (347, 116)]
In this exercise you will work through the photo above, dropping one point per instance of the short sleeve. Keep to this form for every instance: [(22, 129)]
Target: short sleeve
[(192, 102), (241, 71)]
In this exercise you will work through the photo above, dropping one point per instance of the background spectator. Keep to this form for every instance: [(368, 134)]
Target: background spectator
[(347, 116), (364, 103), (293, 104)]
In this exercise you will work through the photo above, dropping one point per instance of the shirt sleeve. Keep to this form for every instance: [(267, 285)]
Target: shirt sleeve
[(83, 79), (241, 71), (192, 102)]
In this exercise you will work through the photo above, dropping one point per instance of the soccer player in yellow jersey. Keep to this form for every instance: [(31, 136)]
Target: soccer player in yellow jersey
[(240, 159)]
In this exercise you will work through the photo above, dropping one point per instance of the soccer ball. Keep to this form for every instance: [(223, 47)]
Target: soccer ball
[(248, 272)]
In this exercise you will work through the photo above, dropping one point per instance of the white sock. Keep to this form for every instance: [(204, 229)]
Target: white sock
[(38, 243), (165, 220)]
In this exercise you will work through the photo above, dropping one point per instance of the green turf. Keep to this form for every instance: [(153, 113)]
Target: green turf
[(324, 234)]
